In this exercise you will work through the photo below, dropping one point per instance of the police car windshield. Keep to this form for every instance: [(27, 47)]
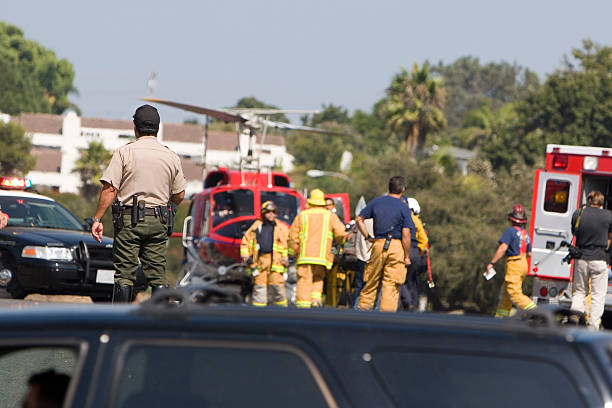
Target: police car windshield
[(232, 204), (35, 212), (287, 205)]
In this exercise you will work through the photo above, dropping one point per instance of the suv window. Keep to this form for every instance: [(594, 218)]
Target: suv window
[(17, 365), (214, 375), (429, 379), (36, 212)]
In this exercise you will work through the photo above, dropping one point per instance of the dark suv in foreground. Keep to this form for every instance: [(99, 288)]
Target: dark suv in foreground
[(164, 355)]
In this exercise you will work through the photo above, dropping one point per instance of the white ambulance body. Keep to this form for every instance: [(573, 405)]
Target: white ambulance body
[(571, 172)]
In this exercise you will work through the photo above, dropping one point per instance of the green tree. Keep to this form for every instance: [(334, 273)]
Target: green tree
[(330, 113), (15, 157), (413, 107), (90, 166), (469, 84), (32, 77), (574, 105)]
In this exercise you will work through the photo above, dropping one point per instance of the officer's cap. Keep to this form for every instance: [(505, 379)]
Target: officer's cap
[(146, 117)]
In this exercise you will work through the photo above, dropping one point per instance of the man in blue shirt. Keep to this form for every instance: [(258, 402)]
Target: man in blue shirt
[(515, 243), (390, 247)]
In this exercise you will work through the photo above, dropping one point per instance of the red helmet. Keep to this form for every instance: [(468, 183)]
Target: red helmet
[(517, 214)]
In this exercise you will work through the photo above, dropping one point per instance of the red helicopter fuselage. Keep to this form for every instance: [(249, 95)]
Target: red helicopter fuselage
[(230, 203)]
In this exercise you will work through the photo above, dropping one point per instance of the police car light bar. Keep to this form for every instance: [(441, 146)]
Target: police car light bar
[(15, 183)]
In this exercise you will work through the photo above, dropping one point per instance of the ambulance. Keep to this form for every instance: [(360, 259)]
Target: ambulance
[(570, 173)]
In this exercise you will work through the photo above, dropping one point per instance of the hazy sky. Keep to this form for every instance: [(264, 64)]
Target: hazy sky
[(296, 55)]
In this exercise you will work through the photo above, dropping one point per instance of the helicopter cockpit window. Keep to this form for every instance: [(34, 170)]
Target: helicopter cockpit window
[(287, 205), (232, 204)]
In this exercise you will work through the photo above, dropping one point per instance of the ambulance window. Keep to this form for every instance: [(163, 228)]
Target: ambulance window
[(556, 196), (287, 204)]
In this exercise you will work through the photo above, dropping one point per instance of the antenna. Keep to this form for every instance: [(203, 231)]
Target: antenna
[(152, 83)]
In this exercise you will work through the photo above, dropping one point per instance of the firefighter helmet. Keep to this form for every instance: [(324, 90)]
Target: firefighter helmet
[(267, 207), (517, 214)]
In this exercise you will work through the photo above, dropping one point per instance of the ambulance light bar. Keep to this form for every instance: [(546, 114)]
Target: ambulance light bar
[(15, 183), (590, 163)]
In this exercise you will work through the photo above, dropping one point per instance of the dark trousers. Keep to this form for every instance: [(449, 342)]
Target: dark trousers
[(358, 283), (409, 291)]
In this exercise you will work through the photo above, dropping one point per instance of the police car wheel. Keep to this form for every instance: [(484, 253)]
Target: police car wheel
[(15, 289)]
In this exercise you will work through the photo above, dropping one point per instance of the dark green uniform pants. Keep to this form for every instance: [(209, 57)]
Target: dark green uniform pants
[(147, 242)]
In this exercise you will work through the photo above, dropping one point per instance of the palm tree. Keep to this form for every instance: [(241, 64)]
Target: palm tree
[(90, 166), (413, 107)]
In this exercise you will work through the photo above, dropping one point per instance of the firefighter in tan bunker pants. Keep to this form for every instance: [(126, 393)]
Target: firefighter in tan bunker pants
[(515, 243), (310, 239), (266, 243)]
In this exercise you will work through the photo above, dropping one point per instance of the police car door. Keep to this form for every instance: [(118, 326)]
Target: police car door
[(555, 202)]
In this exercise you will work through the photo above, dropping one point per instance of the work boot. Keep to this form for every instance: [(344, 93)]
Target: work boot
[(122, 293)]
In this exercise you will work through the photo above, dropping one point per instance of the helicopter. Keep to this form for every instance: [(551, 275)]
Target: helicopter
[(230, 201)]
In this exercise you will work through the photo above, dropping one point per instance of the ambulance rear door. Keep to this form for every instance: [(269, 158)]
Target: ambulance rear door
[(555, 200)]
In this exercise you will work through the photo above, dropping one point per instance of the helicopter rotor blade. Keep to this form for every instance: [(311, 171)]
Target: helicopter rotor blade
[(288, 126), (217, 114)]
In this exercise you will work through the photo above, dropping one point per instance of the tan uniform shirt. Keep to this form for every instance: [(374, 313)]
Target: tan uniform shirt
[(146, 168), (363, 248)]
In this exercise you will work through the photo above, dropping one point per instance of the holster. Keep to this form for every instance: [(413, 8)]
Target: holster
[(171, 208), (387, 242), (134, 212), (117, 215)]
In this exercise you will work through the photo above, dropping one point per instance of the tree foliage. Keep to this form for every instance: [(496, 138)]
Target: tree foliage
[(469, 84), (90, 166), (574, 106), (413, 107), (33, 79), (15, 157)]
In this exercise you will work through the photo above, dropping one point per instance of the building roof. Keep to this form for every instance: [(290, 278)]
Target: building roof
[(40, 122), (191, 169), (48, 159), (99, 123), (183, 132)]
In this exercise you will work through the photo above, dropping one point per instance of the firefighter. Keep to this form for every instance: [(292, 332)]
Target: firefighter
[(409, 292), (310, 239), (266, 243), (515, 243), (391, 247)]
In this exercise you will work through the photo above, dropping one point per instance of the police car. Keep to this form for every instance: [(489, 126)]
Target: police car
[(46, 249)]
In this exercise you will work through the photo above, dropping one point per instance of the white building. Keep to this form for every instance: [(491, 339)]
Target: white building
[(59, 139)]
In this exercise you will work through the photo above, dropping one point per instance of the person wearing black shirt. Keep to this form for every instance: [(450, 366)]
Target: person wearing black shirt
[(592, 227)]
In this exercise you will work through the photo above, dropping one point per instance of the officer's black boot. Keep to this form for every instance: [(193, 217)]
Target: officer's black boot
[(122, 293)]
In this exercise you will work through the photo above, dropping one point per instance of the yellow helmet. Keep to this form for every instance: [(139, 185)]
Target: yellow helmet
[(267, 207), (317, 198)]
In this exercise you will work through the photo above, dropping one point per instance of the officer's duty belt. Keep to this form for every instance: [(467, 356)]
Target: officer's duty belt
[(127, 210)]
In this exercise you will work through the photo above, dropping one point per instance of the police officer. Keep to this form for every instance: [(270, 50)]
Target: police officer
[(148, 175), (265, 242), (592, 227), (390, 249)]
